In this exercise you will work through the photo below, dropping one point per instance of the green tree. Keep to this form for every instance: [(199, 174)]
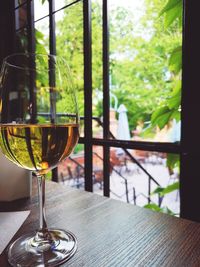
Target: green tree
[(169, 108), (69, 44), (143, 59), (140, 70)]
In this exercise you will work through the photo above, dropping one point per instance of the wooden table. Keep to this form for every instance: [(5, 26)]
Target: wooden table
[(111, 233)]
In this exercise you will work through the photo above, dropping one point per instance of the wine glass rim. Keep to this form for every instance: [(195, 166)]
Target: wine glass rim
[(6, 60)]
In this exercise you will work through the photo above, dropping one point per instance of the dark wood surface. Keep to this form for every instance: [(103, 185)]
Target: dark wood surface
[(111, 233)]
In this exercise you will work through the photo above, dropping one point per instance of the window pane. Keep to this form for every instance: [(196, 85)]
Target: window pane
[(41, 9), (42, 36), (71, 170), (69, 44), (134, 179), (97, 68), (145, 70), (59, 4)]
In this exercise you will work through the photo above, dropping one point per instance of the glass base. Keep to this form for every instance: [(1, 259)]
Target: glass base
[(29, 250)]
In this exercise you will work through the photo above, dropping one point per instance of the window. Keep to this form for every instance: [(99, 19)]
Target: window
[(187, 148)]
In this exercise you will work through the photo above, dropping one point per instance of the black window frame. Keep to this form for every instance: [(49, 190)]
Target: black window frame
[(187, 148)]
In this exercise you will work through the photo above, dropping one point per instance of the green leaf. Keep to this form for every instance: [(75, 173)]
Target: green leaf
[(41, 119), (157, 190), (170, 4), (176, 88), (172, 160), (40, 49), (166, 190), (39, 34), (175, 114), (161, 116), (170, 188), (166, 210), (153, 207), (172, 14), (175, 60), (148, 132), (174, 102)]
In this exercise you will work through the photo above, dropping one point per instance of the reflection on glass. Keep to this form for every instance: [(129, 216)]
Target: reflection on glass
[(39, 127)]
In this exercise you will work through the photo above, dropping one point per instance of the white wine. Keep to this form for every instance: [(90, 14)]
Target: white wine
[(38, 147)]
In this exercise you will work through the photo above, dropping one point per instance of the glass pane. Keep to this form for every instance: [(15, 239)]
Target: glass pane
[(139, 178), (71, 170), (41, 9), (59, 4), (97, 68), (21, 17), (98, 170), (42, 36), (19, 3), (41, 26), (145, 70), (136, 176), (69, 44)]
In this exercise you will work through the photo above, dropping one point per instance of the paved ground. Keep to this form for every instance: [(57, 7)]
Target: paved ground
[(137, 179)]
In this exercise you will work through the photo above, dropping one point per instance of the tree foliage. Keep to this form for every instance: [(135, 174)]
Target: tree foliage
[(172, 12), (145, 60), (142, 77), (69, 44), (145, 57)]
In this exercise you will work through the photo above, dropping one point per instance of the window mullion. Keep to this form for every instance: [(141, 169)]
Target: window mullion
[(87, 43), (106, 100)]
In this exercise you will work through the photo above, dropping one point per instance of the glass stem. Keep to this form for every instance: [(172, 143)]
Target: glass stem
[(41, 194), (43, 238)]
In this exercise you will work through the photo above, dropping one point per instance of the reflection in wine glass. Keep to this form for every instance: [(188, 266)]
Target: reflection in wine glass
[(39, 127)]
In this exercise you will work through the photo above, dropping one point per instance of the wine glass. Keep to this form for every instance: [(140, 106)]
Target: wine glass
[(39, 127)]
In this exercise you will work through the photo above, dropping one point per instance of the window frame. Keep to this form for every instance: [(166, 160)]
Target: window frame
[(190, 141)]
